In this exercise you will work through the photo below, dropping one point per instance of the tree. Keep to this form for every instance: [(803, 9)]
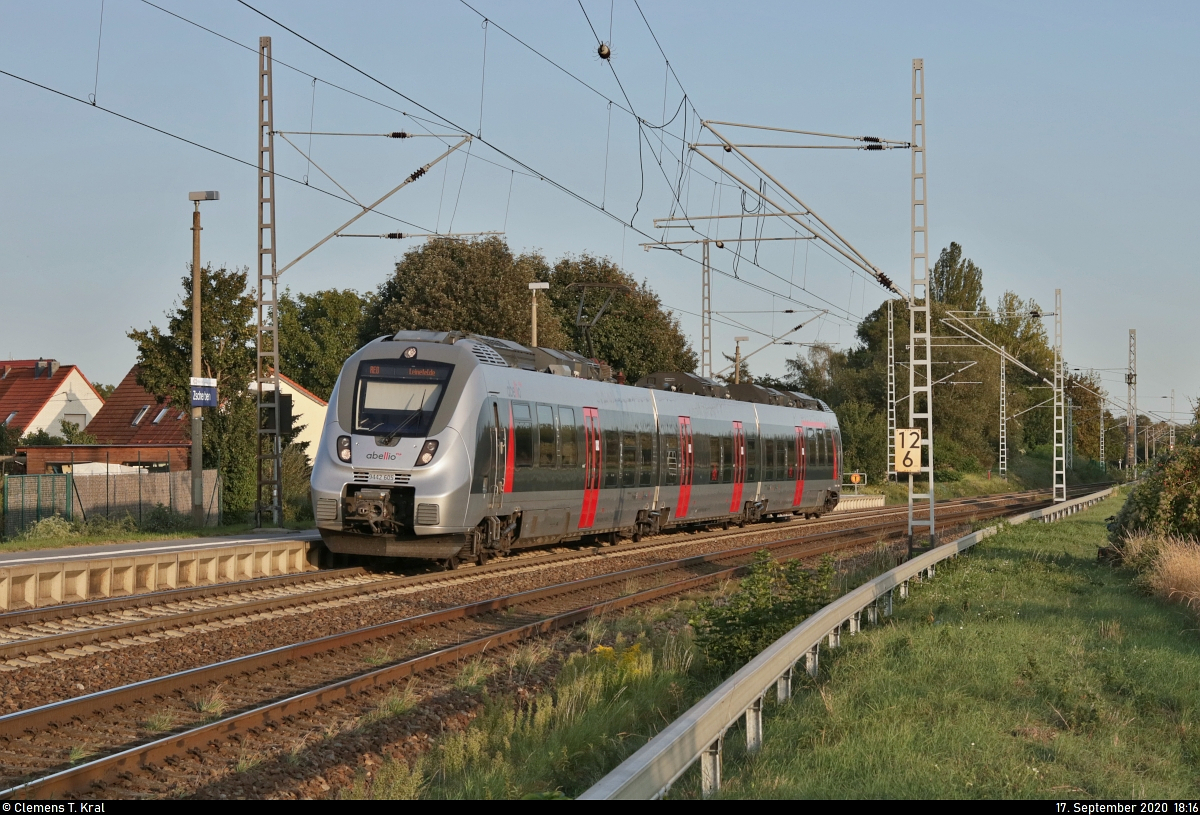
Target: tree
[(228, 349), (8, 440), (635, 335), (476, 286), (39, 438), (957, 282), (317, 333), (74, 434), (105, 391)]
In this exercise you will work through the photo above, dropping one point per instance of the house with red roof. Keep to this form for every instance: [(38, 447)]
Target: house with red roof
[(39, 394), (133, 429)]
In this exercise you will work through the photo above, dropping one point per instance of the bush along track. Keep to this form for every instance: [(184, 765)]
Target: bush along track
[(1027, 669)]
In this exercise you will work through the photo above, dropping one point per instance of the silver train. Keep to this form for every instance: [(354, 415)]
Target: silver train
[(454, 446)]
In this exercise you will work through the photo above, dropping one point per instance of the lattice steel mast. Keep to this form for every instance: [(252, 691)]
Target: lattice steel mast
[(1060, 457), (920, 357), (1103, 460), (706, 314), (891, 392), (1131, 403), (266, 376), (1003, 414)]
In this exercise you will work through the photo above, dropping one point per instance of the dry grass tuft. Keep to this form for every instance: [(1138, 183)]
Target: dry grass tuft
[(1174, 573)]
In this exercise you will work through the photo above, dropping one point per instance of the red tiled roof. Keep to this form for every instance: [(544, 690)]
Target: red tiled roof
[(293, 383), (114, 423), (22, 393)]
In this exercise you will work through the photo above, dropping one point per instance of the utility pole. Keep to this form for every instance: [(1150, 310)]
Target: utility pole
[(1060, 458), (891, 392), (920, 410), (533, 290), (266, 368), (1103, 460), (1003, 415), (1171, 438), (1071, 438), (737, 362), (197, 369), (1131, 405), (706, 314)]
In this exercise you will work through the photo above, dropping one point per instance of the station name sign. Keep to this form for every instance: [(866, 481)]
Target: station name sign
[(204, 392)]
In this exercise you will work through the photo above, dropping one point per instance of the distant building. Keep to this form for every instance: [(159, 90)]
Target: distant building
[(132, 430), (308, 413), (39, 394)]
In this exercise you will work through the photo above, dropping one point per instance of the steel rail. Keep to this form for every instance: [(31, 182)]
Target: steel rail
[(80, 637), (698, 733), (46, 716)]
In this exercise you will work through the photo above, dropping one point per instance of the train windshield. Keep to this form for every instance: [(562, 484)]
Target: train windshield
[(398, 398)]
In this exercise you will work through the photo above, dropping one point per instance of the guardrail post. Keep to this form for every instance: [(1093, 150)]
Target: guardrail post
[(754, 727), (904, 590), (873, 613), (710, 769), (783, 686), (932, 572), (835, 637), (811, 658), (887, 603), (854, 623)]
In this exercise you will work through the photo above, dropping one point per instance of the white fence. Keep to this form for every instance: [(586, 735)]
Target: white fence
[(698, 734)]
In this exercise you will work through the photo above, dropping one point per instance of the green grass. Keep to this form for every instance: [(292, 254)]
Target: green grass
[(603, 704), (1025, 670)]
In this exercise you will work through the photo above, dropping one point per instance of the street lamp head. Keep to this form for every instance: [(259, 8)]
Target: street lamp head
[(537, 286), (204, 195), (741, 339)]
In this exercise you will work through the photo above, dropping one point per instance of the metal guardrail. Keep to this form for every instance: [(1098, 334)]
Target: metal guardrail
[(698, 734)]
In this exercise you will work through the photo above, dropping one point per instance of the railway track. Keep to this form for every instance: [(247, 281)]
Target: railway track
[(60, 633), (165, 726)]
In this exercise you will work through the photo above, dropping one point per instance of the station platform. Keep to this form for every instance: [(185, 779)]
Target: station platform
[(46, 577)]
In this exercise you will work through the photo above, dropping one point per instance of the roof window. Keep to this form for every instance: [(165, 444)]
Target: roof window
[(11, 416), (161, 414), (141, 414)]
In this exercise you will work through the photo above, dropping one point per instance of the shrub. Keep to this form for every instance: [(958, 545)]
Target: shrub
[(1166, 501), (55, 526), (771, 600), (164, 519)]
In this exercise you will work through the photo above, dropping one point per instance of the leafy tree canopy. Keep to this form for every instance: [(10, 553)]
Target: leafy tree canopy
[(317, 333), (634, 335), (957, 282), (228, 348)]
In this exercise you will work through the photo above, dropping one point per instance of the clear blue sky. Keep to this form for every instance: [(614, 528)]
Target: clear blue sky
[(1060, 153)]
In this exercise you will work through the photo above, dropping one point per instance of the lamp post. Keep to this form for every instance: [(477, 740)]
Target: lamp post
[(737, 359), (533, 290), (197, 419)]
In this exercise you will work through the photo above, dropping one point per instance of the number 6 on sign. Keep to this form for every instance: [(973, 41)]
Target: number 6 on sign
[(908, 450)]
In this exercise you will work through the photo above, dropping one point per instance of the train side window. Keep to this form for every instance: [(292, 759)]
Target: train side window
[(727, 459), (810, 447), (791, 457), (751, 458), (768, 459), (523, 433), (570, 435), (823, 442), (646, 459), (629, 457), (546, 443), (714, 459), (612, 457), (671, 443)]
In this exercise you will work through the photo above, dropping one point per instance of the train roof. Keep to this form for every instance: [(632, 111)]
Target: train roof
[(506, 353)]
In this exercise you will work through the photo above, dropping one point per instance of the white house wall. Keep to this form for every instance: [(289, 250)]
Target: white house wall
[(74, 397)]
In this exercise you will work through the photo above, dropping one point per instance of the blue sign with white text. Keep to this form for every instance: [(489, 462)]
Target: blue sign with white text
[(204, 392)]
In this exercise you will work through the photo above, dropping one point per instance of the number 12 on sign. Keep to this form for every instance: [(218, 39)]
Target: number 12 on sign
[(908, 450)]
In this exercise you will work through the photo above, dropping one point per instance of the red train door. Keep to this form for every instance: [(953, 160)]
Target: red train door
[(591, 467), (800, 467), (685, 466), (739, 467)]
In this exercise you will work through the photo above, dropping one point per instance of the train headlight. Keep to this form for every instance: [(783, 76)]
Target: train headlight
[(343, 448), (427, 452)]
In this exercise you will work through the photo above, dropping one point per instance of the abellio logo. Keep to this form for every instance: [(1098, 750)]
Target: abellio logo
[(384, 456)]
